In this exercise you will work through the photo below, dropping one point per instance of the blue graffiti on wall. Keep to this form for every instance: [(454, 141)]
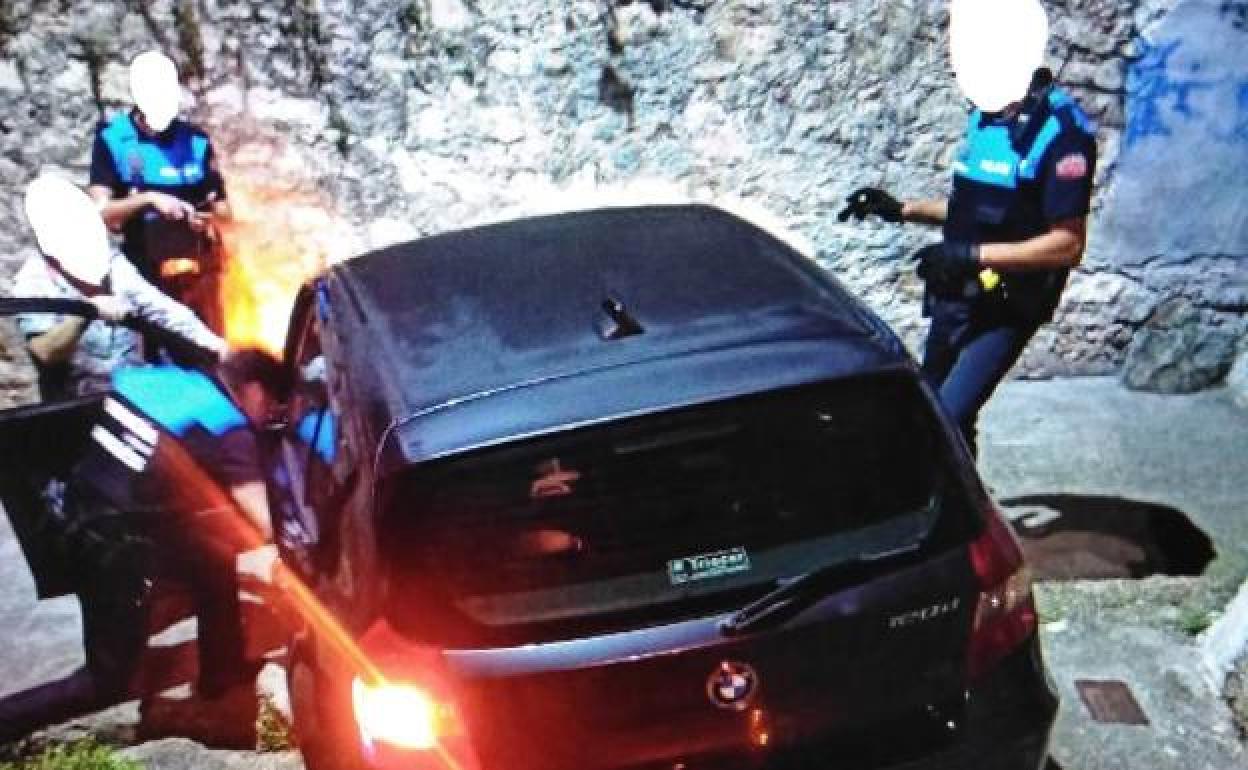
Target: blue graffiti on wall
[(1154, 91), (1167, 89), (1237, 12), (1239, 130)]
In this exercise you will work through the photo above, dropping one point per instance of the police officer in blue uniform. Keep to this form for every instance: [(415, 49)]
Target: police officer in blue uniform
[(172, 461), (156, 180), (1013, 227)]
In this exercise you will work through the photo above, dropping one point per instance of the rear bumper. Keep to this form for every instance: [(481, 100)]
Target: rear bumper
[(1027, 754), (1005, 725), (1002, 724)]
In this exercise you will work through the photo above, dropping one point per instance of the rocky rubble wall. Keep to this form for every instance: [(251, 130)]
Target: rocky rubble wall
[(355, 124)]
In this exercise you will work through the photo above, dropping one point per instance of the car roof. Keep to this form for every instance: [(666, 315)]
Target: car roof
[(478, 336)]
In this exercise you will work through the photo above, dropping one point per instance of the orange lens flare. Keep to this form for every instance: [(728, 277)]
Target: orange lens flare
[(387, 707), (274, 242), (179, 267), (203, 493), (397, 714)]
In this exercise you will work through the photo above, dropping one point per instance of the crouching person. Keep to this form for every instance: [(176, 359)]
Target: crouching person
[(185, 444), (174, 451)]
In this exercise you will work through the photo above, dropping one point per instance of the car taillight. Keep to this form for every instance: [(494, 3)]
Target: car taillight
[(1005, 615), (401, 715), (407, 717)]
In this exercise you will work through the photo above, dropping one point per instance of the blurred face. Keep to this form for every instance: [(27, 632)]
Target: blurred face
[(69, 229), (155, 89), (995, 46)]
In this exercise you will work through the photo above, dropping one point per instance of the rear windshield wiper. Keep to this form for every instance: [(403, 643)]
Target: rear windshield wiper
[(793, 595), (800, 592)]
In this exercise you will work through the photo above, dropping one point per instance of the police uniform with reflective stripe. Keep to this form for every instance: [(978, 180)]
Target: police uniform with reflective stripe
[(177, 161), (1014, 179), (127, 470), (150, 405), (120, 504), (156, 419)]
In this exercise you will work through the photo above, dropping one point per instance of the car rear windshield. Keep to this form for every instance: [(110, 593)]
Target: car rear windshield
[(652, 519)]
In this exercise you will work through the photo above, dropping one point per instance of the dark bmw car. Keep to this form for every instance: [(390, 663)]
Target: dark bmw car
[(628, 488), (638, 488)]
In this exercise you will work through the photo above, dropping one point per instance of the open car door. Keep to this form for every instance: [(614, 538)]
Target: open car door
[(41, 443)]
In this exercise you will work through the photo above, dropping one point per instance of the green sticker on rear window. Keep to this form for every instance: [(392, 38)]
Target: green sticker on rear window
[(708, 565)]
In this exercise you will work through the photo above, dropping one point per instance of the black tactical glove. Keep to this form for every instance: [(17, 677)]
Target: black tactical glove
[(870, 200), (948, 262)]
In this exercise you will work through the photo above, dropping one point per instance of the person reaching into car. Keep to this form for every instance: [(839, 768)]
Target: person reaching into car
[(198, 470), (75, 356), (1016, 221), (172, 461)]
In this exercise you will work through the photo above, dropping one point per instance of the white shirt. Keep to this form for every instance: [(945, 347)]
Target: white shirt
[(104, 346)]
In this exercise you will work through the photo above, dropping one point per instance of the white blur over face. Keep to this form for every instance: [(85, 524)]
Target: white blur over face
[(995, 47), (155, 89), (69, 228)]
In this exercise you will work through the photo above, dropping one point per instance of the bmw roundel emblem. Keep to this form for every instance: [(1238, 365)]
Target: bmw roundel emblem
[(732, 685)]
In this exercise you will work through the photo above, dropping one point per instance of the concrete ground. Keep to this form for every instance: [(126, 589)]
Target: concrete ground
[(1069, 437), (1093, 437)]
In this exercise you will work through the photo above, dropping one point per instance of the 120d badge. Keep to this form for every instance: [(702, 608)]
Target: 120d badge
[(708, 565)]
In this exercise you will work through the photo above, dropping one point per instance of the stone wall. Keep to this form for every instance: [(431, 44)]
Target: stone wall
[(354, 124)]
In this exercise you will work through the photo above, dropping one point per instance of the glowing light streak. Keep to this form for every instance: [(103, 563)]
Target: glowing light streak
[(275, 241), (195, 485)]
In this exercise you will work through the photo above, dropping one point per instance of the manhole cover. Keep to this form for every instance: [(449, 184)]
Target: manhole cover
[(1110, 701)]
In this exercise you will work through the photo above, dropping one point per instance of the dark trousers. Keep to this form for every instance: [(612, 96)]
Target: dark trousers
[(201, 552), (114, 632), (968, 352)]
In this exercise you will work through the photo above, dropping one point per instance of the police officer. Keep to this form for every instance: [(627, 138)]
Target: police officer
[(182, 445), (157, 182), (173, 461), (1015, 222)]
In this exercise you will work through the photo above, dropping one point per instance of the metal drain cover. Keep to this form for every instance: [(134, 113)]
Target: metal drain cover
[(1110, 701)]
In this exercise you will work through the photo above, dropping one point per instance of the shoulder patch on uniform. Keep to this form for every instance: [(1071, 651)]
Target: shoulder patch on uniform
[(1062, 103), (120, 128), (1072, 166)]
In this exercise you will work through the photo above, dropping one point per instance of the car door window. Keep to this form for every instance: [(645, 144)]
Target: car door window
[(28, 399), (312, 445), (315, 433), (22, 318)]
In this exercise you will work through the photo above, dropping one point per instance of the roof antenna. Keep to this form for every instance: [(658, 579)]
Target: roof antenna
[(618, 324)]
